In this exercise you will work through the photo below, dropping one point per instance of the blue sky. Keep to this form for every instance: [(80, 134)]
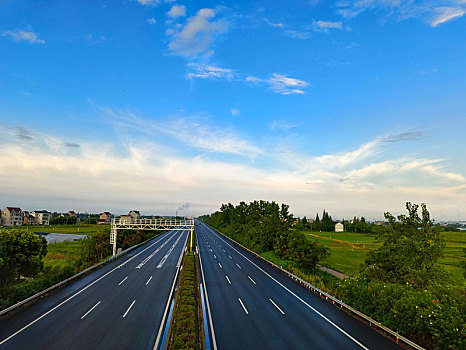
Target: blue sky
[(352, 106)]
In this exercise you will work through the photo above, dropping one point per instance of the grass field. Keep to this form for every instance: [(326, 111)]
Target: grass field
[(62, 254), (348, 251), (73, 229)]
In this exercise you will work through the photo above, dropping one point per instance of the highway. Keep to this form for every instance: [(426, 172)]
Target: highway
[(119, 306), (254, 306)]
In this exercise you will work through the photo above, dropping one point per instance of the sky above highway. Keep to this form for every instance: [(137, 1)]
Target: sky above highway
[(350, 106)]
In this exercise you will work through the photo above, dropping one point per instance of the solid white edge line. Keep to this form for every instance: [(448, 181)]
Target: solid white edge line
[(92, 308), (251, 279), (244, 307), (299, 298), (77, 293), (276, 306), (170, 295), (214, 342), (148, 280), (129, 308), (124, 279), (228, 279)]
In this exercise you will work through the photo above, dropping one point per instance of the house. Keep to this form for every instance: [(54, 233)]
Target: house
[(339, 227), (311, 221), (71, 213), (28, 218), (125, 219), (42, 217), (134, 214), (104, 218), (12, 216)]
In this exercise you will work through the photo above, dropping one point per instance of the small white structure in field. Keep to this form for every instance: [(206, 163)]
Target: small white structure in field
[(339, 227)]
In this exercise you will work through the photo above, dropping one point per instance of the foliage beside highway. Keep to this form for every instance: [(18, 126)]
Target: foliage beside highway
[(267, 227), (401, 283), (29, 265)]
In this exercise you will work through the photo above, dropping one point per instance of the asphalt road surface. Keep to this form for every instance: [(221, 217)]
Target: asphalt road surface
[(254, 306), (119, 306)]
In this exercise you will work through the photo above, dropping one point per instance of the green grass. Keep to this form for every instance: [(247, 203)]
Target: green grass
[(62, 254), (71, 229), (347, 258)]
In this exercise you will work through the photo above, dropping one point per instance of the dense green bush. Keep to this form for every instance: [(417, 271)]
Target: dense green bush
[(435, 318)]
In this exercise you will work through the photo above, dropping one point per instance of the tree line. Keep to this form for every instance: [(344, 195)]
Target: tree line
[(267, 226)]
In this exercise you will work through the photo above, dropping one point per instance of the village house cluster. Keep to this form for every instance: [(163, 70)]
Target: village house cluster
[(15, 216)]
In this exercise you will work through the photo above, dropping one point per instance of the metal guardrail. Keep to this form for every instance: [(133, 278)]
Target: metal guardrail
[(327, 296), (62, 283)]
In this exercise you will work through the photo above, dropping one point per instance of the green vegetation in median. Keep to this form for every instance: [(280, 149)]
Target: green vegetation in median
[(185, 328)]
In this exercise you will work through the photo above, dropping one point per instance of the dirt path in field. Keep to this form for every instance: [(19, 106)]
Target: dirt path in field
[(352, 245)]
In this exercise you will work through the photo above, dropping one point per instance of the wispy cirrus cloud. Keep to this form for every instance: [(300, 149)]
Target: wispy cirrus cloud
[(149, 2), (206, 71), (278, 83), (157, 178), (193, 131), (445, 14), (196, 36), (23, 35), (434, 12), (281, 84), (326, 26)]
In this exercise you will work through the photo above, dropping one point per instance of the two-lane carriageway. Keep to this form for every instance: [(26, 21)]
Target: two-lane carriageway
[(254, 306), (120, 306)]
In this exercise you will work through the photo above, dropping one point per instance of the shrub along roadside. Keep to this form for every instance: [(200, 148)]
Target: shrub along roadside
[(185, 328)]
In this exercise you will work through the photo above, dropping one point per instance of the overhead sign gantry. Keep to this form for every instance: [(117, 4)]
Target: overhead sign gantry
[(148, 225)]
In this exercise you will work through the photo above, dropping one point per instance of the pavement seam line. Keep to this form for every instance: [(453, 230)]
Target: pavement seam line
[(92, 308), (129, 308), (244, 307), (276, 306)]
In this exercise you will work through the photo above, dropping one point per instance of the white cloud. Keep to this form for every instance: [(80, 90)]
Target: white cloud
[(205, 71), (282, 125), (23, 35), (194, 132), (196, 37), (177, 11), (284, 85), (157, 179), (151, 20), (328, 25), (149, 2), (434, 12), (234, 111), (445, 14), (297, 34), (253, 79)]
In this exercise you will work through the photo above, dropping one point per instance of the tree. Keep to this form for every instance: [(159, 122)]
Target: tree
[(21, 254), (409, 251)]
